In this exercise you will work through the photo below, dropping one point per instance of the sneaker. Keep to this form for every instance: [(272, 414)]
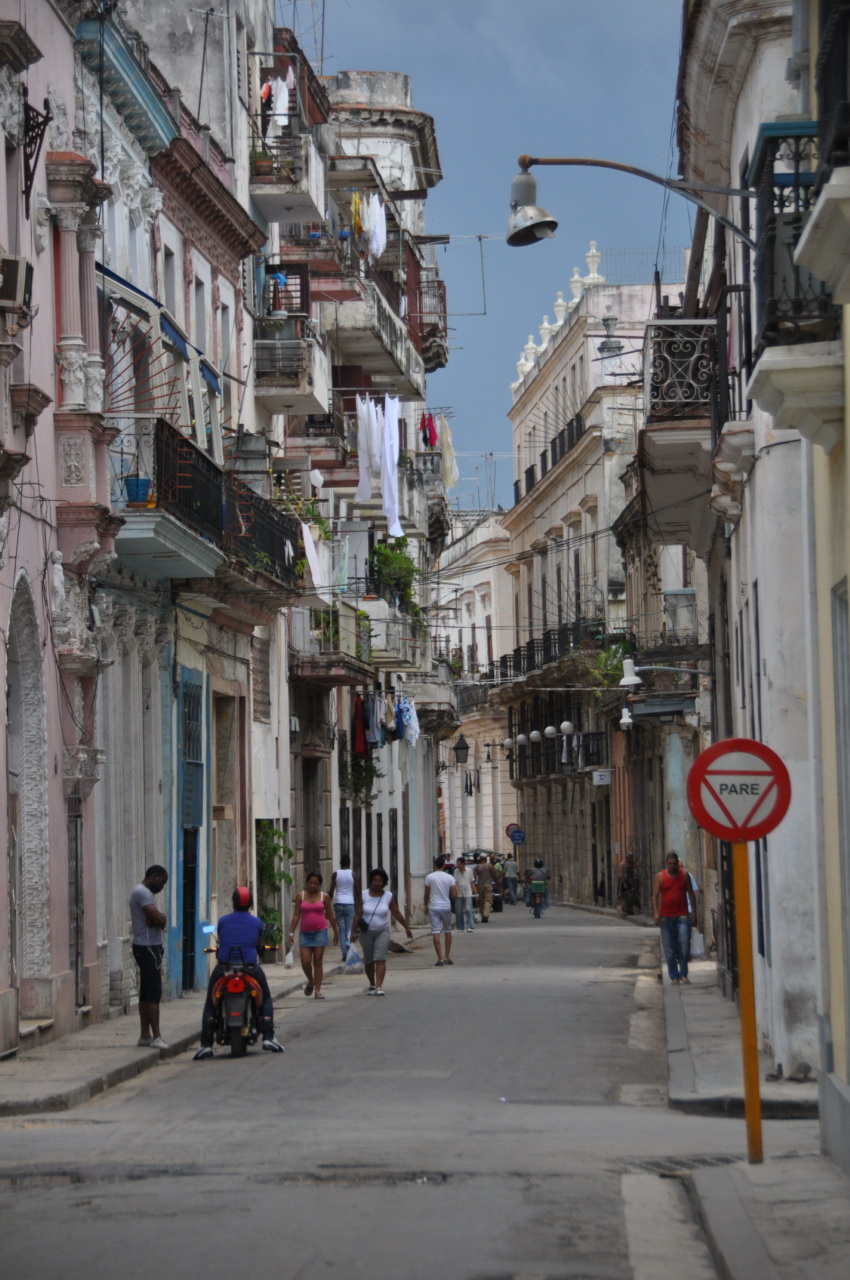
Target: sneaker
[(205, 1051), (158, 1043), (144, 1042), (371, 991), (378, 992), (273, 1045)]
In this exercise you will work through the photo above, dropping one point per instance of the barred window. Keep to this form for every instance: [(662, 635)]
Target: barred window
[(261, 705)]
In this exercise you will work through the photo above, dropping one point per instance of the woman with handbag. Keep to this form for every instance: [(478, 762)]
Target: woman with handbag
[(372, 921), (312, 914)]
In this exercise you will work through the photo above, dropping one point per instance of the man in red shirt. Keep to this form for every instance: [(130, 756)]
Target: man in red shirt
[(672, 911)]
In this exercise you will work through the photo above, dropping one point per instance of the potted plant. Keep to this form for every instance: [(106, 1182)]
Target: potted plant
[(262, 163)]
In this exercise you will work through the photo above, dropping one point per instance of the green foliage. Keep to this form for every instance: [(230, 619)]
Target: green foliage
[(359, 781), (273, 853), (273, 922), (390, 563), (605, 669)]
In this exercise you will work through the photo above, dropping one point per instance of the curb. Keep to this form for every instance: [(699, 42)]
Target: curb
[(645, 922), (735, 1245)]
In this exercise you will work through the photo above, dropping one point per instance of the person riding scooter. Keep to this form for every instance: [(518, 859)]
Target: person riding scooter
[(240, 940)]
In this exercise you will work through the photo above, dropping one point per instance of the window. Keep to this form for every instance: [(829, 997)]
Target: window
[(169, 280), (559, 595), (200, 315), (261, 679)]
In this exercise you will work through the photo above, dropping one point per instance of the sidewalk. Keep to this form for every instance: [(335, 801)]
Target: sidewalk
[(786, 1219), (67, 1072)]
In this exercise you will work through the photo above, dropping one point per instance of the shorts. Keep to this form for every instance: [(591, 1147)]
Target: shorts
[(441, 919), (313, 938), (376, 945), (149, 960)]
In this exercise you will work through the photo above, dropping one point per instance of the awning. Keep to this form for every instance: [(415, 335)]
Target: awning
[(210, 376), (174, 336), (130, 293)]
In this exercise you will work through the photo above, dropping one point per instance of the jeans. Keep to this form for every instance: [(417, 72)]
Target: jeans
[(676, 940), (344, 912), (511, 883), (266, 1008), (464, 914)]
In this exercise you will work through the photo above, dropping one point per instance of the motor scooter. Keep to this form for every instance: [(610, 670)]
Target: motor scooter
[(237, 997)]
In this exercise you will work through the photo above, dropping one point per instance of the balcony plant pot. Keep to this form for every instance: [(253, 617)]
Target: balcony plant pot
[(137, 489), (262, 164)]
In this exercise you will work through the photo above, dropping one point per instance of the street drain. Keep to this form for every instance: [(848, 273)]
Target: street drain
[(674, 1165), (361, 1177)]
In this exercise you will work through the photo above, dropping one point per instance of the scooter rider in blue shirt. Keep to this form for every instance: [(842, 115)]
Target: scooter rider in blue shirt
[(240, 938)]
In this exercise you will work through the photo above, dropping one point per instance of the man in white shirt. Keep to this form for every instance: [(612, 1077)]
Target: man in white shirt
[(440, 893), (465, 895)]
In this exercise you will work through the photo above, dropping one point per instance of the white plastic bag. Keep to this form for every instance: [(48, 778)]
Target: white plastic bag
[(697, 945), (289, 961), (353, 960)]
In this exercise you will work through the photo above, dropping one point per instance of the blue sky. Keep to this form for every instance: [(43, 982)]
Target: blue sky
[(548, 77)]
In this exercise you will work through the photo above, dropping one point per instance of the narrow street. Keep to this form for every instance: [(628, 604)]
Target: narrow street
[(503, 1118)]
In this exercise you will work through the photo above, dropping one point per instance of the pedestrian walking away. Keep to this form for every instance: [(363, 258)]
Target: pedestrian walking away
[(672, 912), (440, 894), (148, 923), (627, 885), (510, 868), (311, 916), (240, 939), (465, 886), (485, 880), (344, 890), (541, 873), (372, 921)]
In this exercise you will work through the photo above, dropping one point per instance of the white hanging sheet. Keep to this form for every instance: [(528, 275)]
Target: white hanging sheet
[(389, 468)]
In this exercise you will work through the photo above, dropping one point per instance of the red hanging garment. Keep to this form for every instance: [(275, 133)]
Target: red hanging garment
[(358, 729), (432, 431)]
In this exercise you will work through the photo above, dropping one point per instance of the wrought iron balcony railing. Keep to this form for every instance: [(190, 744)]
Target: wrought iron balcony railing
[(678, 361), (833, 88), (791, 304), (187, 484), (552, 756), (257, 531)]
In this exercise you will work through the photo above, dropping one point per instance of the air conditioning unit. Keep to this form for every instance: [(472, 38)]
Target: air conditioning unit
[(15, 283)]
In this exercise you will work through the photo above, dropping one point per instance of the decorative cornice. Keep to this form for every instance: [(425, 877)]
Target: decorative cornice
[(194, 183), (17, 49), (146, 116), (28, 403)]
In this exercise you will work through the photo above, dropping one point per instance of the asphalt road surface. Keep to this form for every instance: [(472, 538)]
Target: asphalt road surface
[(501, 1119)]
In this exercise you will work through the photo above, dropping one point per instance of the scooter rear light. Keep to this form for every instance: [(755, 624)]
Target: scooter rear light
[(235, 985)]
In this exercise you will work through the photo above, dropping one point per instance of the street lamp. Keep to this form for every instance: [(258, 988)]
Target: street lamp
[(529, 222), (461, 750), (626, 719)]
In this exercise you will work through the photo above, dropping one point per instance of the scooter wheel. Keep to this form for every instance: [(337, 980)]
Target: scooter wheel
[(237, 1042)]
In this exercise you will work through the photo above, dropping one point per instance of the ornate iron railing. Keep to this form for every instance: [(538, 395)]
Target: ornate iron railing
[(791, 304), (678, 361), (259, 533), (335, 424), (187, 484), (833, 88)]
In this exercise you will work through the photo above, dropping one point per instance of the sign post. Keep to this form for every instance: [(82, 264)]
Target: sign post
[(739, 790)]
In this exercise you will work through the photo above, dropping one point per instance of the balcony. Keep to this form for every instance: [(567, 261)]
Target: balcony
[(433, 325), (291, 374), (287, 179), (584, 751), (370, 334), (200, 522), (833, 79), (675, 443), (792, 304), (331, 647), (398, 641), (434, 690), (316, 246), (177, 532)]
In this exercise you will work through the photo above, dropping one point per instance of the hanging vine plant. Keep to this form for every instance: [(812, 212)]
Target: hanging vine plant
[(359, 781)]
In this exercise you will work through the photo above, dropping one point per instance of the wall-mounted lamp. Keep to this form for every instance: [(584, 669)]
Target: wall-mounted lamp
[(508, 744), (566, 726), (521, 740), (536, 735), (461, 750), (630, 677), (550, 731), (626, 719)]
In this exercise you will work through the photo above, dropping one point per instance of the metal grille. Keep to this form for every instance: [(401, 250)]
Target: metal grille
[(193, 769), (261, 704)]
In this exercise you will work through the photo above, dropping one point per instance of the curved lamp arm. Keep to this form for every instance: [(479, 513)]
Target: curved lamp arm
[(680, 185)]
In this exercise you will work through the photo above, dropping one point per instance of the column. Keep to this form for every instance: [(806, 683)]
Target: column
[(71, 347), (496, 801), (464, 807), (87, 237), (451, 825)]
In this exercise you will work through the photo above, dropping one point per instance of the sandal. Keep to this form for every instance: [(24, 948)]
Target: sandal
[(308, 990)]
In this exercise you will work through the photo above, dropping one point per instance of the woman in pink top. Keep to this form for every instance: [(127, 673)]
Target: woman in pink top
[(312, 915)]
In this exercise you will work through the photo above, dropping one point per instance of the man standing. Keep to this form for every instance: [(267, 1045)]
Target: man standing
[(440, 893), (484, 877), (672, 911), (511, 870), (463, 902), (345, 891), (148, 923)]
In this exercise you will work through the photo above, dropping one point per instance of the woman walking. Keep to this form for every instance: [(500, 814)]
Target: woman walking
[(375, 908), (311, 916)]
